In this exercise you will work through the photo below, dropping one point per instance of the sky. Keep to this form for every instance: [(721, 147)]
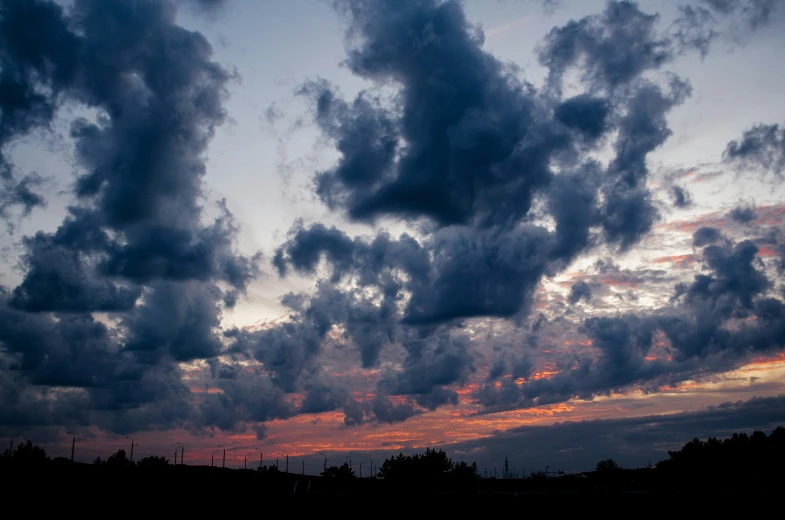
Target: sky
[(333, 230)]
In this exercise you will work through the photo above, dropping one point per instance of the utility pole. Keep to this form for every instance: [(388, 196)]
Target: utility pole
[(304, 465), (287, 463), (325, 464), (350, 461), (175, 456), (261, 456), (11, 450), (212, 459), (361, 469), (132, 448), (223, 464), (73, 444), (245, 463), (180, 446)]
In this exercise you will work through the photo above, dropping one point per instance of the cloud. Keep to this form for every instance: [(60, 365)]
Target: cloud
[(755, 13), (579, 290), (389, 412), (33, 74), (681, 197), (762, 147), (471, 132), (705, 236), (584, 113), (696, 335), (610, 49), (633, 442), (133, 243), (743, 214), (498, 180), (465, 151)]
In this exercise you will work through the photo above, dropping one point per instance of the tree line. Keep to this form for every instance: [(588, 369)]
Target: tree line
[(740, 457), (431, 466)]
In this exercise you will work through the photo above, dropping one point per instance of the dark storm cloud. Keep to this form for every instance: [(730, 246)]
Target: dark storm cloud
[(142, 160), (469, 147), (629, 212), (632, 442), (320, 399), (476, 138), (431, 363), (438, 397), (584, 113), (387, 411), (705, 236), (572, 202), (305, 248), (243, 400), (62, 278), (469, 273), (681, 197), (743, 214), (695, 337), (19, 193), (762, 147), (483, 273), (33, 73), (134, 244), (79, 352), (179, 320), (611, 49), (579, 291)]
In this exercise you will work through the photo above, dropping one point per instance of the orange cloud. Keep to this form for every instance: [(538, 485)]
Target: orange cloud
[(766, 252), (676, 260)]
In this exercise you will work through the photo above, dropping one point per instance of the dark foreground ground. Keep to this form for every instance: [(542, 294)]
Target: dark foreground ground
[(91, 491)]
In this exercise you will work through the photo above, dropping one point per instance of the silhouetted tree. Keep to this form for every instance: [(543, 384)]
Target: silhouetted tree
[(748, 461), (26, 453), (422, 472), (432, 466), (464, 472), (118, 460), (777, 437), (607, 465), (98, 461), (342, 472)]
